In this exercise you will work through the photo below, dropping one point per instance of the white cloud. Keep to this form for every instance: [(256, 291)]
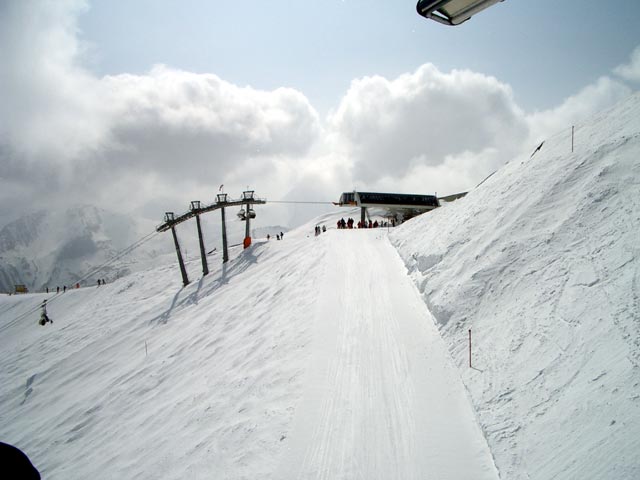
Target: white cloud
[(590, 100), (391, 128), (47, 97), (74, 136), (630, 71), (154, 142)]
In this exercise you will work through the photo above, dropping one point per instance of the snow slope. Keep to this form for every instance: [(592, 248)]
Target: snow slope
[(542, 262), (84, 399), (289, 362)]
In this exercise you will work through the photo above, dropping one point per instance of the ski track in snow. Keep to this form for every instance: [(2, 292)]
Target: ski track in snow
[(383, 400)]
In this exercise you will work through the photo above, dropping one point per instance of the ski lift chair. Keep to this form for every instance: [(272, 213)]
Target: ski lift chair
[(452, 12), (241, 214), (251, 213)]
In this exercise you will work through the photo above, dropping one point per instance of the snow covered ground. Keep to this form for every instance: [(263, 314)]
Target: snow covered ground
[(382, 399), (311, 357), (319, 357), (542, 262)]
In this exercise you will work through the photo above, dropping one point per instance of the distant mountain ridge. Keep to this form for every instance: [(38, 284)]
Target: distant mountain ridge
[(56, 248)]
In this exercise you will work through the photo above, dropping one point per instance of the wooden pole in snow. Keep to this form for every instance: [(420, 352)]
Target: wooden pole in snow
[(572, 130), (470, 348)]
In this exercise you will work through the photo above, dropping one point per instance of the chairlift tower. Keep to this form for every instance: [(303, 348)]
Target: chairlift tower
[(222, 200), (247, 214), (170, 222), (196, 209)]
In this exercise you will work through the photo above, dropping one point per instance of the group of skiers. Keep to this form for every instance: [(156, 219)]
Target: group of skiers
[(64, 288), (349, 223), (279, 236), (101, 281), (44, 318), (320, 229)]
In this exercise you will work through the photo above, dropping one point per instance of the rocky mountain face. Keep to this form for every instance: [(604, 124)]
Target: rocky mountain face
[(51, 248)]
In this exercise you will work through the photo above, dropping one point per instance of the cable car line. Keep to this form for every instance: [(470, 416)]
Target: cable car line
[(92, 272), (295, 201)]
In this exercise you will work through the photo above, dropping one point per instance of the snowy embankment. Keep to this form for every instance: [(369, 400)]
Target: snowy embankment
[(542, 262), (142, 378)]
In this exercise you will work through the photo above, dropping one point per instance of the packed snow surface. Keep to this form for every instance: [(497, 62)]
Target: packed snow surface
[(542, 263), (319, 357), (310, 357)]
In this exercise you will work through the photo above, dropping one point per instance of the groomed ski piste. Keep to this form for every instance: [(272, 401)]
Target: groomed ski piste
[(345, 355)]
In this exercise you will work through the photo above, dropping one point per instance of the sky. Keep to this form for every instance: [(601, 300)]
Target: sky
[(144, 106)]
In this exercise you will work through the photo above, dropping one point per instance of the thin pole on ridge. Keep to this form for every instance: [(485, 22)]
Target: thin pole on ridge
[(470, 349), (572, 130)]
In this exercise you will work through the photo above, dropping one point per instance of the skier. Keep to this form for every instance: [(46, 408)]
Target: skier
[(44, 318)]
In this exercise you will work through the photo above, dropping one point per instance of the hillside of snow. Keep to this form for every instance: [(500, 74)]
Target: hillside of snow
[(291, 361), (56, 248), (542, 263), (320, 357), (142, 378)]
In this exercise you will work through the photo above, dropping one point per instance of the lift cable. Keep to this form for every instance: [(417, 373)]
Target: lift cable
[(92, 272), (119, 255), (294, 201), (126, 251)]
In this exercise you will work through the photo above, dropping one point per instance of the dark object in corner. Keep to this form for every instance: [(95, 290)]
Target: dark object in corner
[(15, 465)]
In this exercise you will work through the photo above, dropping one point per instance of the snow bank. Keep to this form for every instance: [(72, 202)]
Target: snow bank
[(542, 262), (142, 378)]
